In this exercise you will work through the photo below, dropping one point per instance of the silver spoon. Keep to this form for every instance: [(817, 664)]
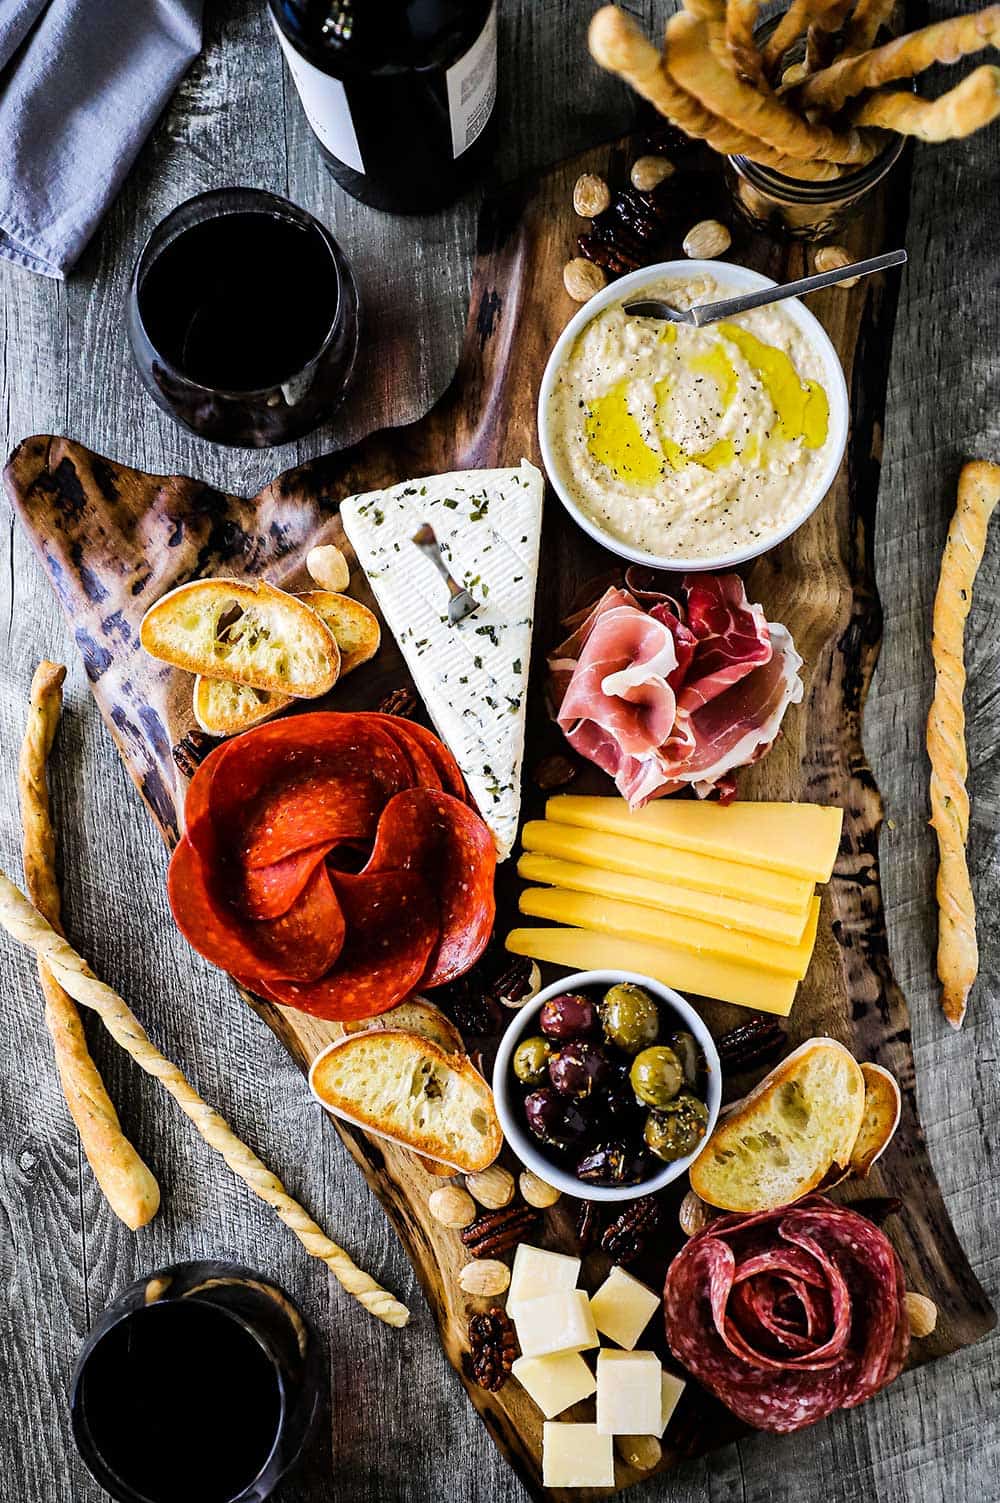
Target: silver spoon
[(710, 313)]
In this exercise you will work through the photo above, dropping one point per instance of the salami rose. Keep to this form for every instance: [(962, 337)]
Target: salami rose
[(789, 1315)]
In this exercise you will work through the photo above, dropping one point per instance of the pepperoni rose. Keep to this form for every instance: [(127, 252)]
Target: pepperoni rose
[(788, 1315)]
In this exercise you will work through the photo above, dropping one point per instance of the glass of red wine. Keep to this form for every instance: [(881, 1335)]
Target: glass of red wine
[(243, 318), (200, 1381)]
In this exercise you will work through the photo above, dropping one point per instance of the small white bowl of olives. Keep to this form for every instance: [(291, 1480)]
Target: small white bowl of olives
[(607, 1085)]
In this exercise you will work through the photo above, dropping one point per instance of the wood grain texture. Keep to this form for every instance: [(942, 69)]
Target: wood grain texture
[(113, 540), (399, 1428)]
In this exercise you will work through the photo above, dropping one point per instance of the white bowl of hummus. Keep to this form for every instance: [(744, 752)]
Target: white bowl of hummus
[(685, 448)]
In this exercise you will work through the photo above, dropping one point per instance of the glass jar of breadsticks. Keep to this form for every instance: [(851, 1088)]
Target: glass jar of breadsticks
[(804, 208)]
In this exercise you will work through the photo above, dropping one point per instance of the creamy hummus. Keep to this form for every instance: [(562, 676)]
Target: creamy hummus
[(691, 443)]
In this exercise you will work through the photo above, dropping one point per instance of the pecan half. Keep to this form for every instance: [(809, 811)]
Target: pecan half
[(610, 257), (554, 772), (753, 1043), (494, 1347), (878, 1208), (586, 1225), (190, 751), (626, 1237), (499, 1231), (399, 702)]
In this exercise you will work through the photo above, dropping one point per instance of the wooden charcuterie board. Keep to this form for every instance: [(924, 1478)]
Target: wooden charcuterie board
[(112, 540)]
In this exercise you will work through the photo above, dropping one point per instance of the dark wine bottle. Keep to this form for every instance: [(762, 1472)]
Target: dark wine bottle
[(399, 93)]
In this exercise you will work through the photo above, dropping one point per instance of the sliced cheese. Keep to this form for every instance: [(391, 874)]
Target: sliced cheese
[(695, 975), (555, 1382), (751, 918), (473, 675), (576, 1456), (584, 910), (800, 839), (536, 1272), (559, 1322), (680, 868), (671, 1397), (629, 1393), (622, 1309)]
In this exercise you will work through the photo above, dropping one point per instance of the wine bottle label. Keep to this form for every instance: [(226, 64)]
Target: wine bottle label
[(472, 87), (324, 100)]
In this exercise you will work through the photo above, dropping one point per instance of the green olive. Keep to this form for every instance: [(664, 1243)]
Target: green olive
[(675, 1130), (630, 1018), (684, 1046), (531, 1060), (656, 1075)]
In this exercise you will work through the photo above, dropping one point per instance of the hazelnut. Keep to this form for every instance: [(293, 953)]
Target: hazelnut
[(706, 239), (328, 568), (693, 1214), (591, 195), (582, 279), (922, 1312), (536, 1192), (830, 257), (641, 1451), (649, 172), (452, 1206), (484, 1277), (493, 1187), (794, 74)]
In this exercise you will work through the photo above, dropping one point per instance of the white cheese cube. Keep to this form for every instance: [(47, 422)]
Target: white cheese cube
[(672, 1390), (537, 1272), (629, 1393), (555, 1382), (622, 1309), (576, 1456), (559, 1322)]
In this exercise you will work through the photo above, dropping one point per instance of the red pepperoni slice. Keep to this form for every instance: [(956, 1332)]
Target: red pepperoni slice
[(302, 944), (266, 892), (448, 773), (392, 928), (429, 832), (316, 808)]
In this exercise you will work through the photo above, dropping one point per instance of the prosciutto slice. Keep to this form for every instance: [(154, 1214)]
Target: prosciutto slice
[(662, 694)]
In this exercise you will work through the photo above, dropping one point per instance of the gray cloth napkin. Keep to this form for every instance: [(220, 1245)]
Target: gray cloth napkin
[(81, 86)]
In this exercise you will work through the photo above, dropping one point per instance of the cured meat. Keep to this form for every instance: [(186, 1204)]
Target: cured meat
[(266, 892), (789, 1315), (392, 928), (662, 695), (446, 842), (426, 750)]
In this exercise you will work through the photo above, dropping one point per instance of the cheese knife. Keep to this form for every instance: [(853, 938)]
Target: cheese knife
[(461, 604)]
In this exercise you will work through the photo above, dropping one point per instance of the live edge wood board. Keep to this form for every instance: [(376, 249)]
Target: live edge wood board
[(112, 540)]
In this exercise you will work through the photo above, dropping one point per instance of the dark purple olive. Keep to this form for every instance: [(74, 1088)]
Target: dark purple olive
[(577, 1123), (616, 1101), (578, 1067), (569, 1017), (544, 1112), (611, 1164)]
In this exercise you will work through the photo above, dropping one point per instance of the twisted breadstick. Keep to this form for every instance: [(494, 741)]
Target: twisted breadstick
[(741, 18), (616, 43), (24, 923), (129, 1188), (865, 24), (971, 104), (903, 57), (958, 954)]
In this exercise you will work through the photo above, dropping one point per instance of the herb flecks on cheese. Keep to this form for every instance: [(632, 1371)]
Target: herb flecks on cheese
[(472, 676)]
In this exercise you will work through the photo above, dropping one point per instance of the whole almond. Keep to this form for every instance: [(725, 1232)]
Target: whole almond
[(582, 279), (591, 195), (706, 239), (831, 258), (693, 1214), (484, 1278), (535, 1191), (649, 172), (493, 1187), (641, 1451), (452, 1206), (922, 1313), (328, 567)]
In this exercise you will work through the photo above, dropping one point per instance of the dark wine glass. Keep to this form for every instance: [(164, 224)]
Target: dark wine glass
[(243, 317), (200, 1382)]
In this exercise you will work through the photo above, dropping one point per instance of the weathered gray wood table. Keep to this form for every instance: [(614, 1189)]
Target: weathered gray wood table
[(399, 1427)]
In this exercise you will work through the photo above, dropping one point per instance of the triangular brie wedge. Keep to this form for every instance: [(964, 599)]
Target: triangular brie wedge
[(472, 676)]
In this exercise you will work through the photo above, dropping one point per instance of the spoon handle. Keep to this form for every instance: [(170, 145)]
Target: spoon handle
[(709, 313)]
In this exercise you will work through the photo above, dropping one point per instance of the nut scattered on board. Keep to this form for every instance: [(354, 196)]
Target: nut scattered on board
[(328, 567), (649, 172), (493, 1187), (591, 195), (625, 1238), (519, 982), (536, 1192), (494, 1347), (555, 771), (582, 279), (922, 1313), (641, 1451), (452, 1206), (497, 1232), (484, 1278), (831, 257), (706, 239), (693, 1214)]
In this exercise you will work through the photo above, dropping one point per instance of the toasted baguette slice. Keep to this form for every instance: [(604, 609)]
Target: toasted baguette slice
[(405, 1088), (883, 1104), (246, 631), (415, 1016), (223, 708), (799, 1124)]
